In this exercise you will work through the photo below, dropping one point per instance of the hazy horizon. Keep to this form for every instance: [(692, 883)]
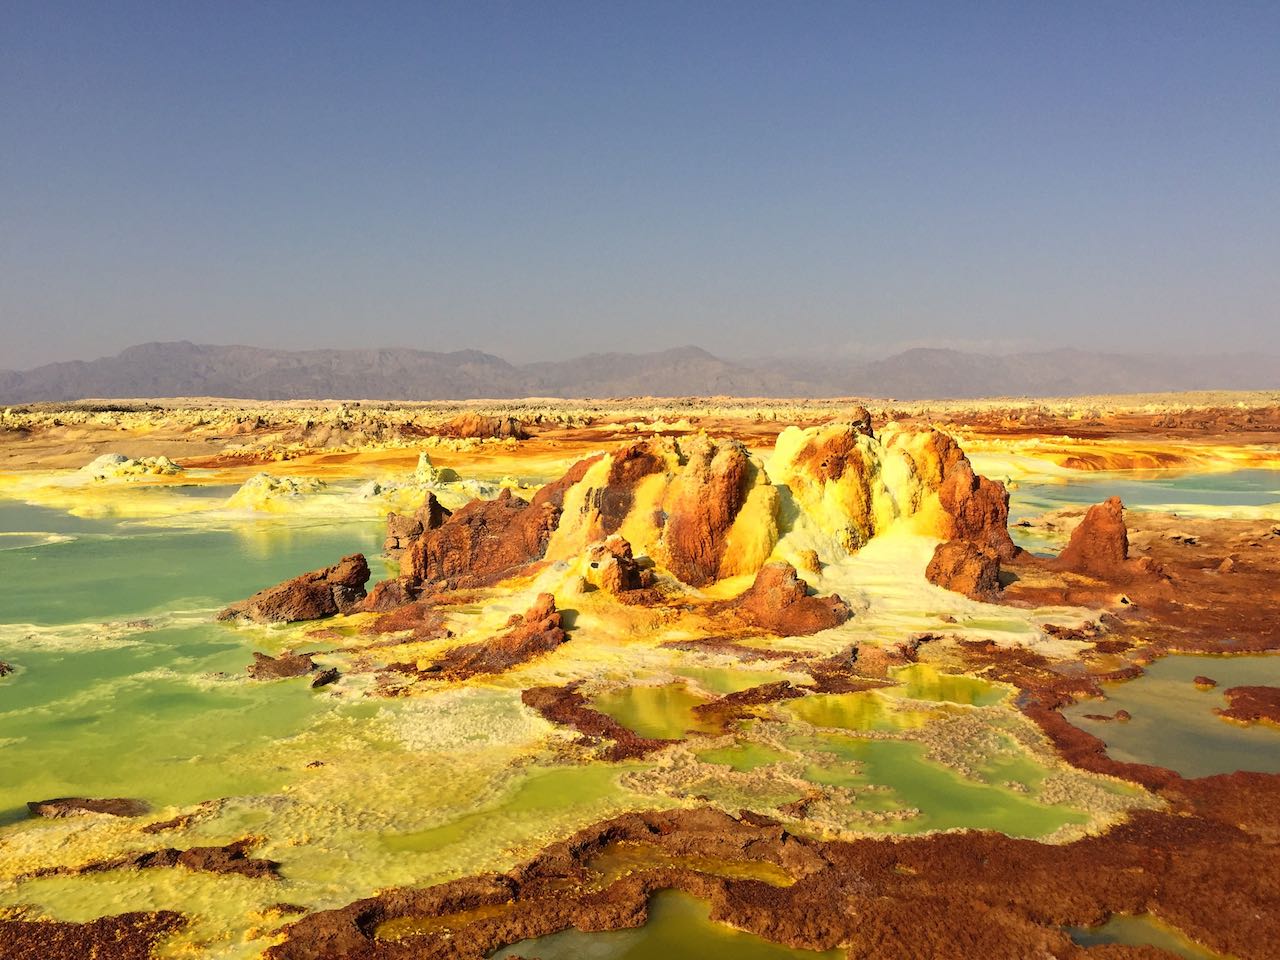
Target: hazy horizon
[(544, 182)]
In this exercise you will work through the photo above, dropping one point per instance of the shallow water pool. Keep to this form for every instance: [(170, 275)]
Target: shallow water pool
[(1173, 724), (679, 928)]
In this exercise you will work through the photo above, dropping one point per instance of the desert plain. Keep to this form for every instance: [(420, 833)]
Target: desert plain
[(637, 678)]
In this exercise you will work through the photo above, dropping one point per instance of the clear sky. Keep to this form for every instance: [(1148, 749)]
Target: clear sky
[(543, 179)]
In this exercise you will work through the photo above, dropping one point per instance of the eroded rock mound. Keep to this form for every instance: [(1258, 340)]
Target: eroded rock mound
[(701, 505), (779, 602), (703, 508), (1099, 546), (311, 596), (488, 540), (977, 507), (61, 807), (855, 486), (288, 664), (611, 567), (965, 567), (532, 634), (475, 426)]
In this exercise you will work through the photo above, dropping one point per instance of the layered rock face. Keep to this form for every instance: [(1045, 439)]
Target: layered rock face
[(311, 596), (966, 567), (1099, 546), (855, 486), (779, 602)]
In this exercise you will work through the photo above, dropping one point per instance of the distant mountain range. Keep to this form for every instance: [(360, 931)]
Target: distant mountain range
[(184, 369)]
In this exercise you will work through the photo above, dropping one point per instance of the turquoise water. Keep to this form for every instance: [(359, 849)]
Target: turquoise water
[(1150, 489), (1141, 931), (1173, 724), (137, 711), (119, 569)]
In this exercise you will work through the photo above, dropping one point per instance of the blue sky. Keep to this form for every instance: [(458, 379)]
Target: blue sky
[(547, 179)]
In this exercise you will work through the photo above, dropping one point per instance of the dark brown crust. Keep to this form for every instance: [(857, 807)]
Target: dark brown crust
[(128, 936), (1252, 705)]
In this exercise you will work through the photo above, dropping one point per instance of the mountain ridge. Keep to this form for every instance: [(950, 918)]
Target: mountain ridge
[(182, 368)]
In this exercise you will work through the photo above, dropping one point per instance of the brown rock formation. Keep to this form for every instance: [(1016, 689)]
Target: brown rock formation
[(532, 634), (1252, 705), (229, 858), (978, 507), (288, 664), (311, 596), (388, 595), (476, 426), (629, 466), (1099, 546), (489, 540), (72, 806), (702, 502), (965, 567), (779, 602), (403, 529)]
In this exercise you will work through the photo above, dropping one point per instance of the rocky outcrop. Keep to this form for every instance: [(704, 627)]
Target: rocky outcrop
[(288, 664), (475, 426), (532, 634), (855, 486), (1099, 547), (311, 596), (779, 602), (978, 508), (404, 528), (965, 567), (611, 567), (701, 505), (702, 508), (388, 595), (61, 807), (489, 540)]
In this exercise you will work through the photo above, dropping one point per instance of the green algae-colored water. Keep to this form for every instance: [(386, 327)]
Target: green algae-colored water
[(743, 757), (1173, 724), (923, 681), (1141, 931), (941, 797), (678, 928), (543, 792), (663, 712), (865, 710), (148, 708)]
